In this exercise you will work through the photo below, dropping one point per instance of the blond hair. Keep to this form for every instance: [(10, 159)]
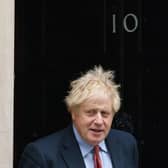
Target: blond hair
[(92, 81)]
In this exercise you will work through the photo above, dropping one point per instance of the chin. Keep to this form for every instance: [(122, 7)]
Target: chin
[(95, 141)]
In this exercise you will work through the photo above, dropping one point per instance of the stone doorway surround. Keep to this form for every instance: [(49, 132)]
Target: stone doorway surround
[(6, 82)]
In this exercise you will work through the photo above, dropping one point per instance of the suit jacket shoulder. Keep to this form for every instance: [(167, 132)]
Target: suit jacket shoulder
[(123, 149), (120, 135), (59, 150)]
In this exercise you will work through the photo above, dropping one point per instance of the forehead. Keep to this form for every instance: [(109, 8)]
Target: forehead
[(98, 99)]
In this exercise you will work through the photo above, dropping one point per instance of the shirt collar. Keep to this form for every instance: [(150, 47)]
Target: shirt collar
[(85, 147)]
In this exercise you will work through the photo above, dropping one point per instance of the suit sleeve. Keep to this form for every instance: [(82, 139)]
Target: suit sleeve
[(32, 158)]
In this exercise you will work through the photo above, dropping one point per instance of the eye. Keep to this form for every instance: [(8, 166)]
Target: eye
[(91, 112), (105, 113)]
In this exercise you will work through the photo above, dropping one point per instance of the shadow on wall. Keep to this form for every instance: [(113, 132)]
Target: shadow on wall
[(123, 121)]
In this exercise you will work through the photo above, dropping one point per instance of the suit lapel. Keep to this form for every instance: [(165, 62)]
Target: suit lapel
[(114, 150), (71, 151)]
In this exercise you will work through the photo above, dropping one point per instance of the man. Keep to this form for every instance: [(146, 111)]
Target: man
[(89, 142)]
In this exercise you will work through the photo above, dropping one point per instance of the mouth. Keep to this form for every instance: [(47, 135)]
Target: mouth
[(96, 131)]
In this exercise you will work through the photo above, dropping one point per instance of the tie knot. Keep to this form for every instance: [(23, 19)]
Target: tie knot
[(96, 148)]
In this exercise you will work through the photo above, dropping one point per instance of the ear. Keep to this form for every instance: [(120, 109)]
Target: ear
[(74, 112), (71, 111), (73, 115)]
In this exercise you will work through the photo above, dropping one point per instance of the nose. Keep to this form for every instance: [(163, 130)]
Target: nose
[(99, 118)]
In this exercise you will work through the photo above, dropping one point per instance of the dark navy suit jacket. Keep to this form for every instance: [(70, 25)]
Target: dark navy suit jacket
[(61, 150)]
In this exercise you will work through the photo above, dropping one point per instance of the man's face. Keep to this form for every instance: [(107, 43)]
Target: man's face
[(93, 118)]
